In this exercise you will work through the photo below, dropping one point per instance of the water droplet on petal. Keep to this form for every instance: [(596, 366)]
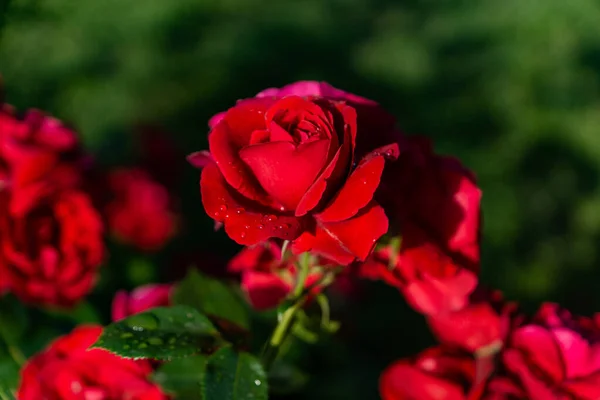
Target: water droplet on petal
[(217, 214), (223, 208), (239, 210), (282, 208), (260, 226), (243, 235)]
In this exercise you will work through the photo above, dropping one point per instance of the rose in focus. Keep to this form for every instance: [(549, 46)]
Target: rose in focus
[(68, 370), (289, 167)]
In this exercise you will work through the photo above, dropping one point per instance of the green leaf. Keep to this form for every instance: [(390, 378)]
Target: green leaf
[(212, 297), (182, 377), (234, 376), (161, 333)]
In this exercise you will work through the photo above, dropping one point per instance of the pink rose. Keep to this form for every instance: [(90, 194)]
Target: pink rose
[(140, 299)]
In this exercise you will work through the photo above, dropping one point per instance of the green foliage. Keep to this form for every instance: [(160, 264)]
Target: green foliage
[(161, 333), (224, 375), (212, 297)]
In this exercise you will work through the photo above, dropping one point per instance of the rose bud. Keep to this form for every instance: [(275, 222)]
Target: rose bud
[(68, 370), (299, 169), (480, 327), (41, 156), (140, 299), (431, 281), (554, 356), (435, 374), (267, 279), (50, 255), (140, 212)]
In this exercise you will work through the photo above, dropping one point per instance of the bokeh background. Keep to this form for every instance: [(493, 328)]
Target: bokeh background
[(512, 87)]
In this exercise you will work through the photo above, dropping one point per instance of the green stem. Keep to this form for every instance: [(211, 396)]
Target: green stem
[(303, 269), (280, 333)]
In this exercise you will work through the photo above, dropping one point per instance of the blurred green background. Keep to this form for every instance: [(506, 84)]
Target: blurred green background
[(512, 87)]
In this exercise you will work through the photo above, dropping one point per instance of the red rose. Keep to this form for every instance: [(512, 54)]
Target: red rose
[(288, 168), (140, 210), (50, 255), (435, 374), (435, 200), (40, 155), (429, 280), (267, 279), (480, 327), (556, 356), (68, 370), (140, 299)]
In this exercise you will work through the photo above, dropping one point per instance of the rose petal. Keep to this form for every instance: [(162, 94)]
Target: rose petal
[(356, 193), (264, 290), (200, 159), (245, 222), (337, 169), (284, 170), (343, 241)]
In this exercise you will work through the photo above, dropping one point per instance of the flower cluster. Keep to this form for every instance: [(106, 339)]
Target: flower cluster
[(322, 191)]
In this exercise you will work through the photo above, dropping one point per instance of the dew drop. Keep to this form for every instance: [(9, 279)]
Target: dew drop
[(126, 335), (243, 235), (140, 322), (247, 227), (143, 346), (282, 208), (364, 182), (257, 382), (239, 210), (217, 214), (223, 208), (271, 218), (260, 227), (155, 341)]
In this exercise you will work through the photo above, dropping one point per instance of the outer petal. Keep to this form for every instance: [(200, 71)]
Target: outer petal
[(356, 193), (245, 222), (347, 240), (284, 170)]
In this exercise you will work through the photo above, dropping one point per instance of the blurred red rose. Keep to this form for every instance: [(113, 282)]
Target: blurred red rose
[(435, 200), (480, 327), (267, 279), (435, 204), (40, 155), (140, 211), (68, 370), (429, 280), (555, 356), (50, 254), (140, 299), (435, 374), (289, 167)]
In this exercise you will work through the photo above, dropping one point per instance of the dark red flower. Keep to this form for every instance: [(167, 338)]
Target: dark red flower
[(140, 211), (435, 200), (40, 156), (435, 374), (288, 167), (429, 280), (140, 299), (480, 327), (267, 278), (555, 356), (67, 370), (50, 255)]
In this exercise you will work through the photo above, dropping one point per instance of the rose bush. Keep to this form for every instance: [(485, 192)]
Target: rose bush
[(290, 167)]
